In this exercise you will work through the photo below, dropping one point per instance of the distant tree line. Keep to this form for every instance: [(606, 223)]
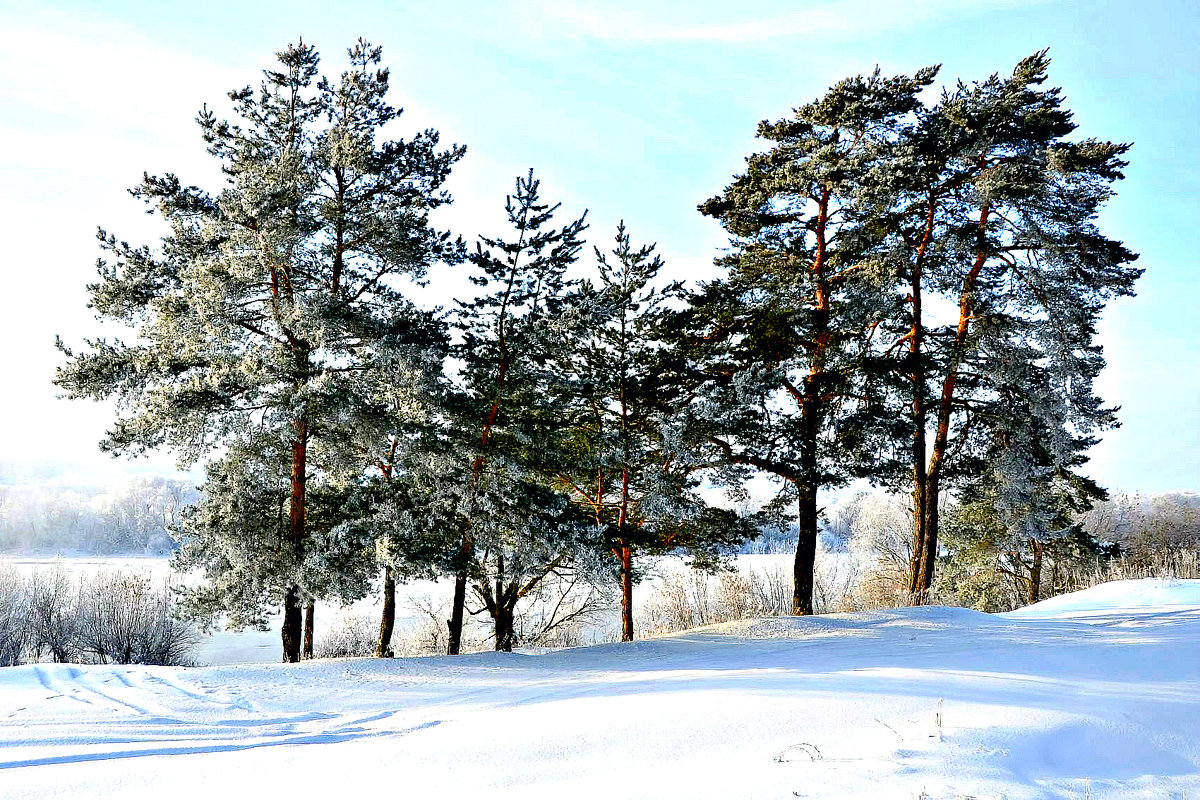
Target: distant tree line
[(910, 296), (136, 518)]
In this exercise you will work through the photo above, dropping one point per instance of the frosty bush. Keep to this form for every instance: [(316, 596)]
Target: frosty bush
[(14, 616), (53, 616), (123, 619), (350, 636), (108, 618), (692, 598), (560, 612)]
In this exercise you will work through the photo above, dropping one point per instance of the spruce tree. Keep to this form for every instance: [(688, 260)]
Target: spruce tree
[(271, 298)]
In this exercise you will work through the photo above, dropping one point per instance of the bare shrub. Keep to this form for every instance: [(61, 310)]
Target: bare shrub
[(350, 636), (772, 588), (53, 617), (837, 578), (123, 619), (425, 634), (675, 606), (693, 598), (109, 618), (15, 630), (1170, 564), (560, 612)]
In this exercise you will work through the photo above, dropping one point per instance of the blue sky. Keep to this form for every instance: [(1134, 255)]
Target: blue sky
[(635, 111)]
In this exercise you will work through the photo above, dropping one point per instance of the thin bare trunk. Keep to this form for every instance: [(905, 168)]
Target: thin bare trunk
[(466, 549)]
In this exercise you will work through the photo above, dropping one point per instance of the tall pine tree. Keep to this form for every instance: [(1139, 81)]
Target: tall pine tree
[(992, 209), (778, 345), (272, 296)]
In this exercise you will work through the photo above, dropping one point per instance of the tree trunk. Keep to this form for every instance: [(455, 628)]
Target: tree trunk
[(503, 617), (917, 559), (291, 633), (945, 406), (929, 546), (806, 550), (455, 623), (387, 621), (467, 549), (917, 379), (626, 594), (1035, 572), (292, 622), (310, 611)]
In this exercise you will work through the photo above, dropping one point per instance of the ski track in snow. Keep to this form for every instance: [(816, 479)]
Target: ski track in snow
[(1092, 695)]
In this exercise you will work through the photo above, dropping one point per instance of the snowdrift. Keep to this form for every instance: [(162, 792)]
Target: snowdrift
[(1147, 593), (1092, 695)]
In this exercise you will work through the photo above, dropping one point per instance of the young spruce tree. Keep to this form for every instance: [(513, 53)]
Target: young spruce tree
[(628, 468)]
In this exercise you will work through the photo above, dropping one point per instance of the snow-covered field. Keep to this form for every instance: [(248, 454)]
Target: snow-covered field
[(1092, 695)]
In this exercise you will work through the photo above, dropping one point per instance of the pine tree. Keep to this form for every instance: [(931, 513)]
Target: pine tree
[(516, 529), (993, 209), (272, 297), (778, 345), (628, 471)]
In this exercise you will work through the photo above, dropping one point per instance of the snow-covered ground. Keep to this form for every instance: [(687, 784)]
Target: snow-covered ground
[(1094, 695)]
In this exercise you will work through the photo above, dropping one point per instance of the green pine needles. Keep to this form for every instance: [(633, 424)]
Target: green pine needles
[(910, 296)]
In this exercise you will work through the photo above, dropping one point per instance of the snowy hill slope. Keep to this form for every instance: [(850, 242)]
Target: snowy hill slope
[(1031, 706), (1108, 598)]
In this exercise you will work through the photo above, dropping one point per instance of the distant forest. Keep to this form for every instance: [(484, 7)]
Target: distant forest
[(49, 516)]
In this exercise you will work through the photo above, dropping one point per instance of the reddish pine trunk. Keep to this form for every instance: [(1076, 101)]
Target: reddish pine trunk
[(917, 559), (626, 594), (387, 620), (929, 545), (916, 342), (924, 561)]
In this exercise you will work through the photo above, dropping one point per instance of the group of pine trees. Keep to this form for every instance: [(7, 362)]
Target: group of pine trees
[(910, 296)]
